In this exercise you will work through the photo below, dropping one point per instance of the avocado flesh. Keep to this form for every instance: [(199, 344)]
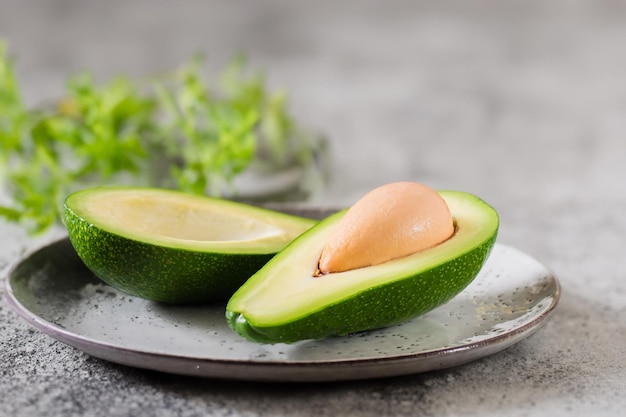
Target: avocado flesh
[(284, 302), (174, 247)]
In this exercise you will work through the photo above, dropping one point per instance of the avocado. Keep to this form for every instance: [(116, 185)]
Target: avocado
[(285, 302), (174, 247)]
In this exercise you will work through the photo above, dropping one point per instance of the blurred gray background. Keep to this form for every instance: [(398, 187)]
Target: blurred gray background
[(404, 89)]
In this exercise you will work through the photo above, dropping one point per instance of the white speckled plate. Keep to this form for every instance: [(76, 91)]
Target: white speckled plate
[(509, 300)]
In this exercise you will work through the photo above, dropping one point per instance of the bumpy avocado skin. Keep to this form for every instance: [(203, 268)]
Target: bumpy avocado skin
[(382, 306), (158, 273)]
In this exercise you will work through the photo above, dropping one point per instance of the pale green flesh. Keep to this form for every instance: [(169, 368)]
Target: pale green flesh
[(175, 219), (285, 289)]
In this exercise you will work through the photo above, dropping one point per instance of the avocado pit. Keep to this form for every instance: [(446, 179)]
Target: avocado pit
[(390, 222)]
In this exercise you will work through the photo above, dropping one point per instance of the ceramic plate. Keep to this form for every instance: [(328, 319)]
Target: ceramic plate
[(509, 300)]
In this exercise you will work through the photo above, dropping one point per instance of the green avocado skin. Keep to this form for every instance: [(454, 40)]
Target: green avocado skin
[(156, 272), (381, 306)]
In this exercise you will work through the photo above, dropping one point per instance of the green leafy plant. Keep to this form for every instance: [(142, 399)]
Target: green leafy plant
[(175, 131)]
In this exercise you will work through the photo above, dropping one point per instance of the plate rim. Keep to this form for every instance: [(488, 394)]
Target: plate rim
[(282, 370)]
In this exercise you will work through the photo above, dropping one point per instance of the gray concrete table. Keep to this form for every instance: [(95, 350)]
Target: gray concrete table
[(523, 104)]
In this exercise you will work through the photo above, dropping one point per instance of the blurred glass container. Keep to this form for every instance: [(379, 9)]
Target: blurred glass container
[(298, 180)]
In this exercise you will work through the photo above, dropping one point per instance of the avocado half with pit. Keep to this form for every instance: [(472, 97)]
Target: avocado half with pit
[(285, 301), (174, 247)]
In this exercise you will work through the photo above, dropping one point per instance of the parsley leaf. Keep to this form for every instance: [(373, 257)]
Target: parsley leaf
[(177, 131)]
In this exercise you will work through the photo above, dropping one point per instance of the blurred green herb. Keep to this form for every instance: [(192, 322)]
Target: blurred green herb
[(175, 131)]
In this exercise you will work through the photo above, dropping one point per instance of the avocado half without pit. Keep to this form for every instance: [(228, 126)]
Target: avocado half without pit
[(171, 246), (299, 294)]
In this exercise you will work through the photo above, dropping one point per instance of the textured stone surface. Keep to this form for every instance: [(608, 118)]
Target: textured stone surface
[(523, 105)]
